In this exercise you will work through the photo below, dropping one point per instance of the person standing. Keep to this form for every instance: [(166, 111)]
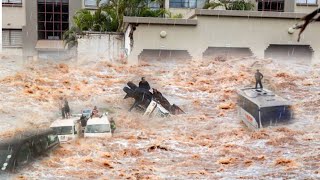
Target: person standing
[(259, 78), (144, 84), (95, 112), (66, 108)]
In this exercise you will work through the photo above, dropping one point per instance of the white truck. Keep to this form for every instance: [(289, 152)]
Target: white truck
[(98, 127), (65, 128)]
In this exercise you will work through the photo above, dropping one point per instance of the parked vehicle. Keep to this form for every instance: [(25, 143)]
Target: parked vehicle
[(18, 152), (65, 128), (261, 108), (98, 127)]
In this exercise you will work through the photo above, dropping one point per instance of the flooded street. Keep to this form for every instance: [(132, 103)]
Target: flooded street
[(208, 142)]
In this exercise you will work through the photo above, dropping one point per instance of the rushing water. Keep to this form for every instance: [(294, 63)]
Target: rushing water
[(205, 143)]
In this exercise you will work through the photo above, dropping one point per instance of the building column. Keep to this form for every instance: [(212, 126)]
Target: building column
[(197, 53), (316, 57), (166, 4), (133, 58), (258, 51)]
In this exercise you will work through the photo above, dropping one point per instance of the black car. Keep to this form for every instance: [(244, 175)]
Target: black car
[(24, 148)]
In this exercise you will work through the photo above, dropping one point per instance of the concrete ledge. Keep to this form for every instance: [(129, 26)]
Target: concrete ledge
[(253, 14), (165, 21)]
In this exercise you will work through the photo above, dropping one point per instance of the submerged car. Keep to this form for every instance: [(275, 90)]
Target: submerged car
[(259, 108), (18, 152), (156, 109), (65, 128), (98, 127)]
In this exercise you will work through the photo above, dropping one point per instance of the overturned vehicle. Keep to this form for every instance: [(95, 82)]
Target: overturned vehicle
[(151, 103)]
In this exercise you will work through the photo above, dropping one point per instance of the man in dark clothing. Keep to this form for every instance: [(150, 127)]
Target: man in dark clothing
[(144, 84), (66, 108), (258, 77), (83, 121)]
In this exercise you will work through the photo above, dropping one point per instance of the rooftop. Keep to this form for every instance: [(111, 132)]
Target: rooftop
[(263, 98)]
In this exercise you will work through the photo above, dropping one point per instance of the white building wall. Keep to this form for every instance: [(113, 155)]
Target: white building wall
[(101, 47), (14, 17)]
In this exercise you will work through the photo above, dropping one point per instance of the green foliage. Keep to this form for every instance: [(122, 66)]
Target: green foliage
[(70, 37), (108, 17), (174, 16), (240, 5), (244, 5)]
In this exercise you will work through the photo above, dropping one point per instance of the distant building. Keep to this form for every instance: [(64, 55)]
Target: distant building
[(34, 28), (211, 33)]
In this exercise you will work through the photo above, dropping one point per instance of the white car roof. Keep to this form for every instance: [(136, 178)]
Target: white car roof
[(64, 122), (98, 120), (263, 98)]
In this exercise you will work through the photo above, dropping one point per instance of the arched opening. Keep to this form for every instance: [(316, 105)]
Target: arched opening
[(151, 55), (296, 53), (227, 52)]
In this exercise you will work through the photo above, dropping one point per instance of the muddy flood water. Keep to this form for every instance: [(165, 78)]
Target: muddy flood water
[(208, 142)]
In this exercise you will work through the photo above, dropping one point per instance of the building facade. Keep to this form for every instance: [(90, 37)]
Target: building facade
[(34, 28), (212, 33)]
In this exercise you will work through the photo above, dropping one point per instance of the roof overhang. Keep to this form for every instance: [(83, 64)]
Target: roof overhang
[(248, 14), (161, 21), (50, 45)]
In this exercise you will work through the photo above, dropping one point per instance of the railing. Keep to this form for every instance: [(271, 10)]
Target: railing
[(183, 3)]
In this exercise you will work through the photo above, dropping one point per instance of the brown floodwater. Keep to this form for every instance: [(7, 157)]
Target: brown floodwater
[(208, 142)]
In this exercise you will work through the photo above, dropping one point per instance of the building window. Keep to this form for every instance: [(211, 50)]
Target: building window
[(154, 5), (183, 3), (307, 2), (11, 1), (271, 5), (53, 18), (11, 37), (93, 3)]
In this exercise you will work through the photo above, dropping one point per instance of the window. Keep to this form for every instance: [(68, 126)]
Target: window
[(276, 114), (183, 3), (93, 3), (249, 106), (307, 2), (64, 130), (53, 18), (11, 1), (153, 5), (98, 128), (271, 5), (12, 38)]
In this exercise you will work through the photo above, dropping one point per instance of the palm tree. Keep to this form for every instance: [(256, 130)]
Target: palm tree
[(109, 17), (117, 9)]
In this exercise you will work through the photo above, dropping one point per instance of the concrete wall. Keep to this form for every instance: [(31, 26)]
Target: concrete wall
[(107, 47), (14, 17), (222, 31), (305, 9)]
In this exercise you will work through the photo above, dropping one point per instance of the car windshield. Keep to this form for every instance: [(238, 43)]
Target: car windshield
[(64, 130), (98, 128)]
